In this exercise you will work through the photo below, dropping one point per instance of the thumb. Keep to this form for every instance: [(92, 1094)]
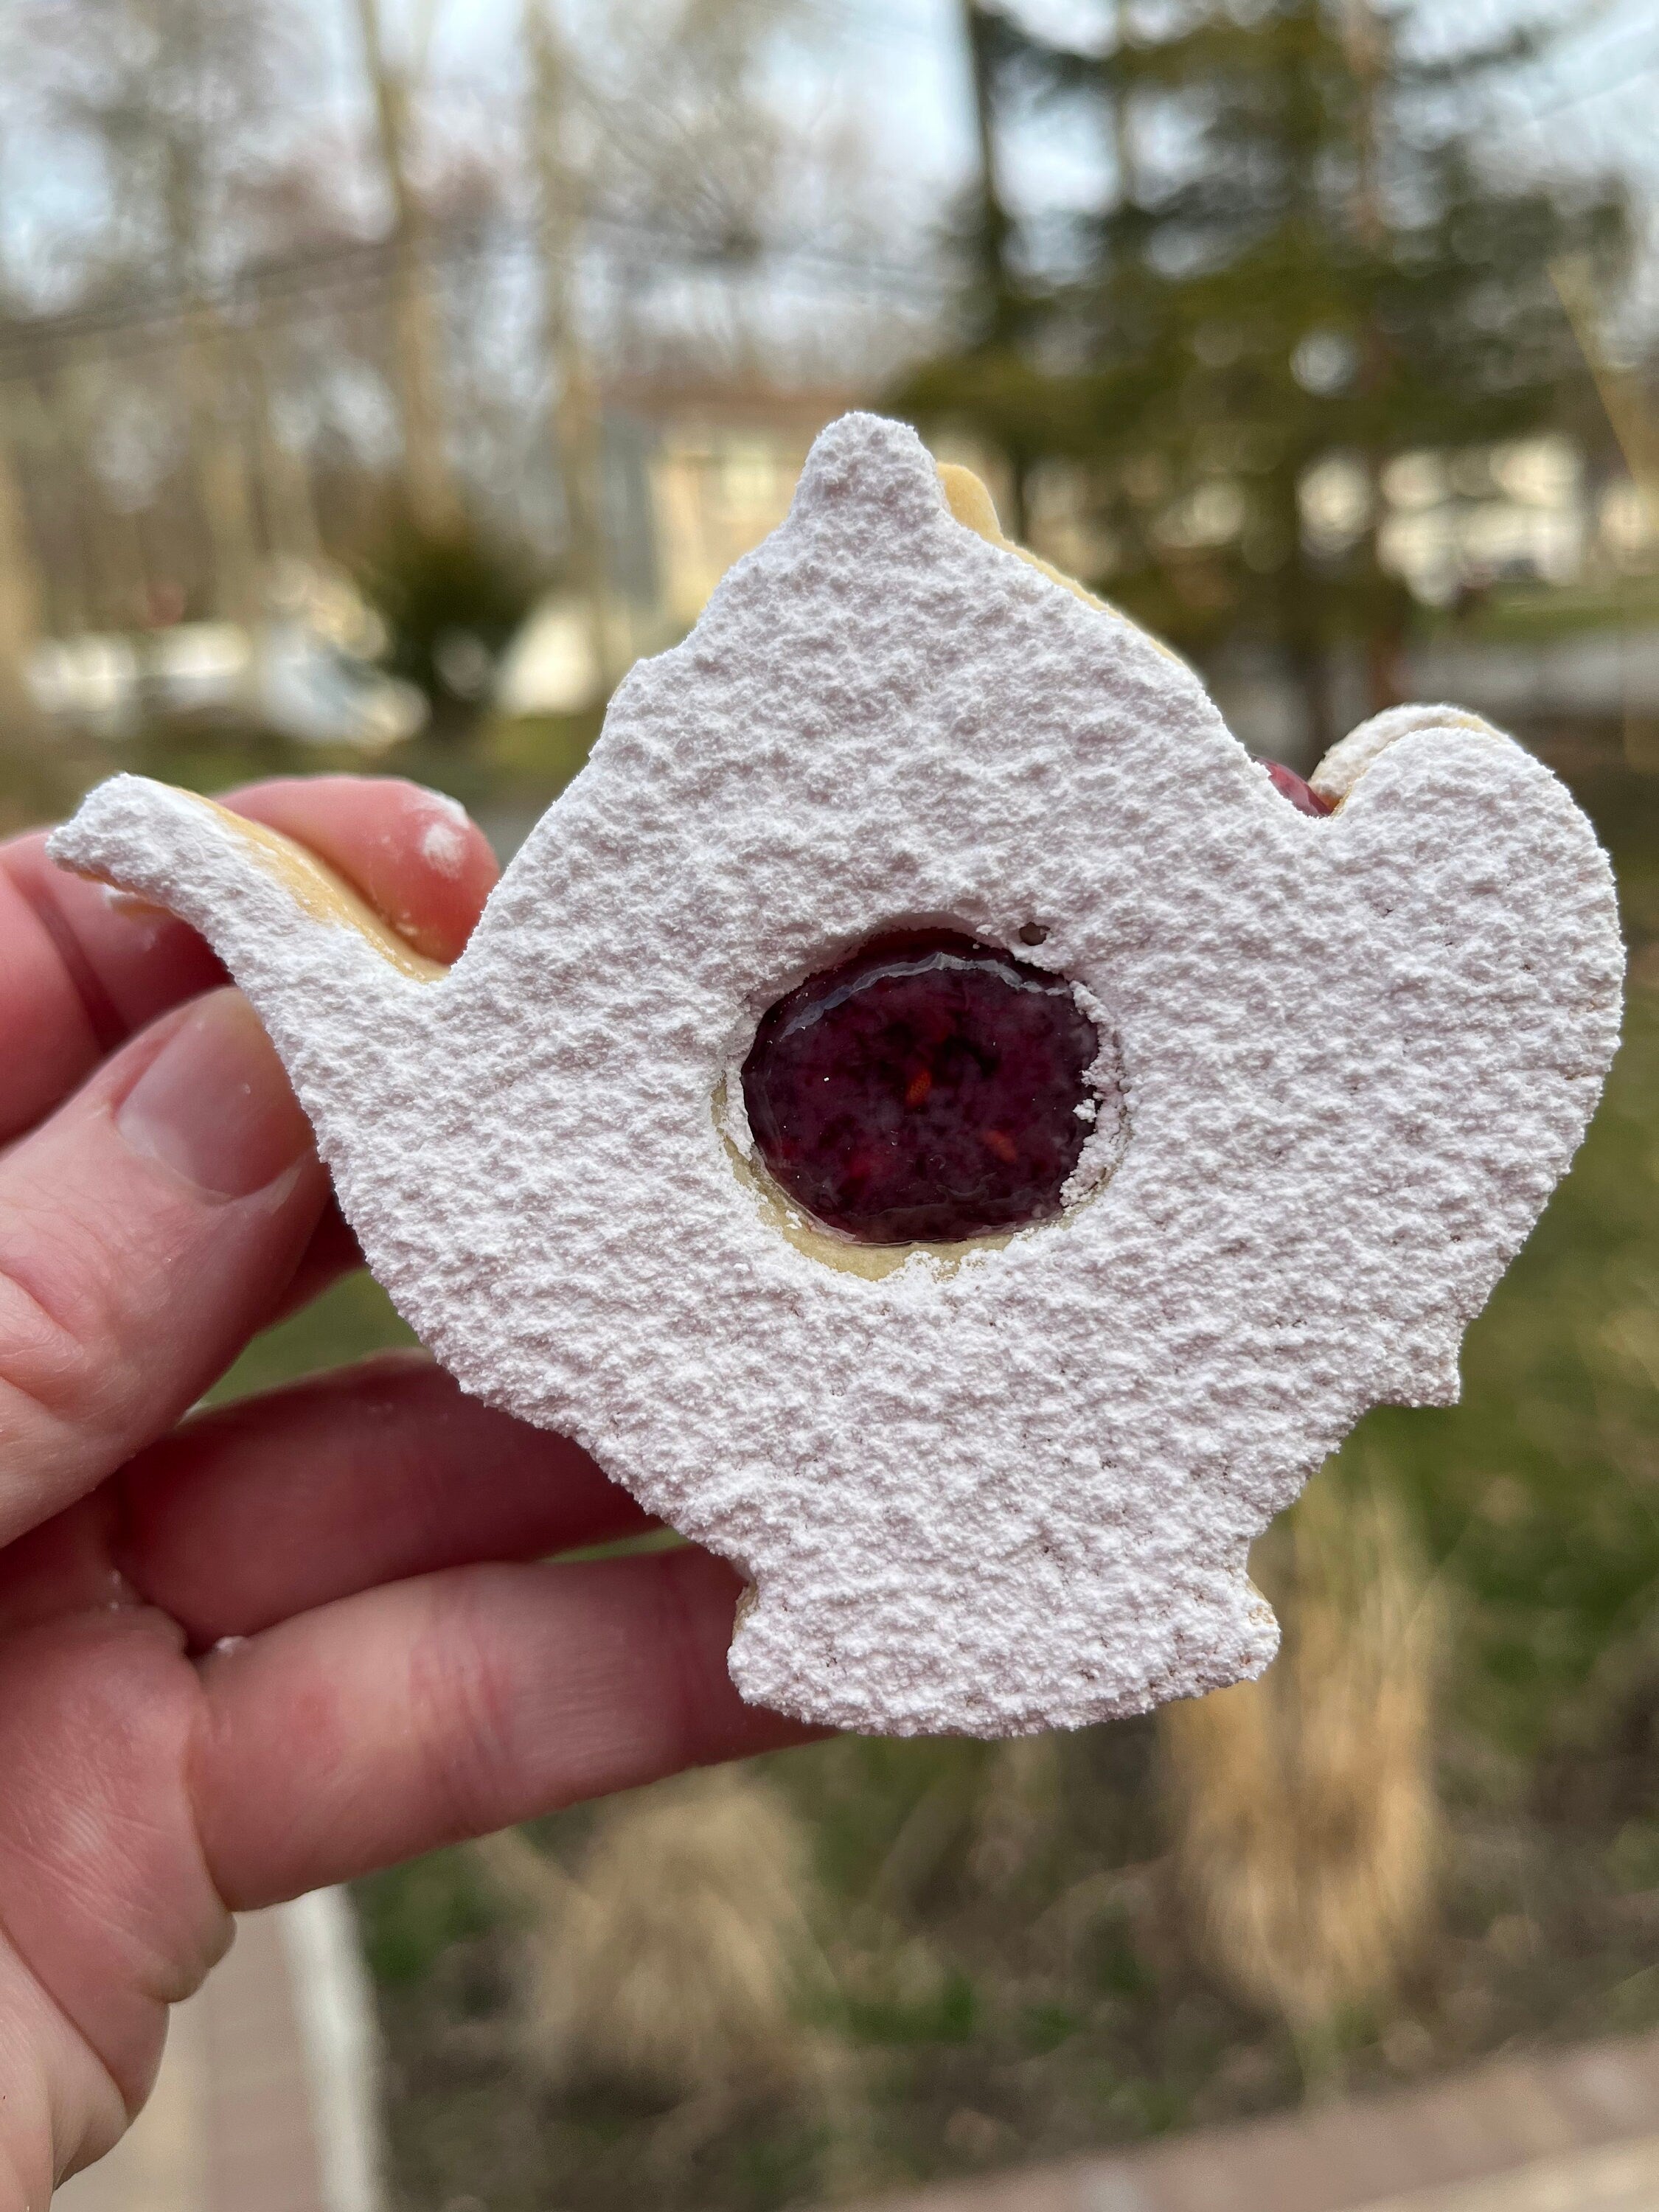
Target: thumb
[(145, 1231)]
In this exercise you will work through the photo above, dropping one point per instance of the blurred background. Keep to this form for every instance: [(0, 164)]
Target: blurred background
[(380, 378)]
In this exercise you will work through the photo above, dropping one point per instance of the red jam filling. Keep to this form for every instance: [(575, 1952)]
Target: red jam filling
[(1300, 792), (925, 1089)]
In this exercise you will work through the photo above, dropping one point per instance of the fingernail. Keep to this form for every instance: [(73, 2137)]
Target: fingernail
[(214, 1105)]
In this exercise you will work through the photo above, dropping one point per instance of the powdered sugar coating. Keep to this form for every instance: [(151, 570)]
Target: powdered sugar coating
[(1355, 1056), (1349, 758)]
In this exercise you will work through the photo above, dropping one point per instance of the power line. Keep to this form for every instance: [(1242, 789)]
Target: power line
[(312, 281), (1612, 87), (873, 24)]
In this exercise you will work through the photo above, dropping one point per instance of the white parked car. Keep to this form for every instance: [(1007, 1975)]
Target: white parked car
[(282, 675)]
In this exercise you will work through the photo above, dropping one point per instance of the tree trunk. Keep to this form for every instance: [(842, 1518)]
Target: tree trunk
[(1312, 663), (1117, 114), (285, 493), (435, 503), (992, 225), (1367, 60), (20, 599), (221, 471), (63, 572), (572, 424)]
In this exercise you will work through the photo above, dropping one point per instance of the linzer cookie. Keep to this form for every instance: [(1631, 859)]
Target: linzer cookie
[(933, 1118)]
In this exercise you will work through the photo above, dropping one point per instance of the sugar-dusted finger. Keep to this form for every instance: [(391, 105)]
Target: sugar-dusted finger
[(368, 1475), (413, 855), (449, 1706), (81, 968)]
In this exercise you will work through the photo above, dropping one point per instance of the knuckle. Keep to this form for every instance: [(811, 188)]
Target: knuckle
[(462, 1704), (64, 1373)]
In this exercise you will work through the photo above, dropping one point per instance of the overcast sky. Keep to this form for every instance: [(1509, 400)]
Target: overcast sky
[(900, 67), (897, 68)]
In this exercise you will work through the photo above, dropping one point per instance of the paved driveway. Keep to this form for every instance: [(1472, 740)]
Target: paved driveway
[(1569, 2131), (265, 2098)]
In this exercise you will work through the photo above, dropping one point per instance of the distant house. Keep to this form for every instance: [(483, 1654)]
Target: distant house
[(693, 478)]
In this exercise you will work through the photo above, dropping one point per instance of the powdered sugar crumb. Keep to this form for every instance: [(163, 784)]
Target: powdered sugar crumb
[(1356, 1054), (140, 913), (443, 847)]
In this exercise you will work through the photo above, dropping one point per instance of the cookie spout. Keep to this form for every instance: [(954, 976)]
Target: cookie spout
[(346, 1000)]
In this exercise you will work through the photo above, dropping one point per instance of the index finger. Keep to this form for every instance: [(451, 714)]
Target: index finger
[(83, 969)]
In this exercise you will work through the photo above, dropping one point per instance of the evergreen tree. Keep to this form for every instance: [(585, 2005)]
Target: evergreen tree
[(1308, 252)]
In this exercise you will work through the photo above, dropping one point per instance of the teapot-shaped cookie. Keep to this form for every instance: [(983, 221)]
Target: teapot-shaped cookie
[(1011, 1482)]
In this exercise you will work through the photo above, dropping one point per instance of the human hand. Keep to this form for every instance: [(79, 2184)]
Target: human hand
[(304, 1636)]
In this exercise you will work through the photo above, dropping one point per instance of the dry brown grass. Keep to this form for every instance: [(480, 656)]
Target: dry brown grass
[(1305, 1808), (671, 1963), (1020, 1795)]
